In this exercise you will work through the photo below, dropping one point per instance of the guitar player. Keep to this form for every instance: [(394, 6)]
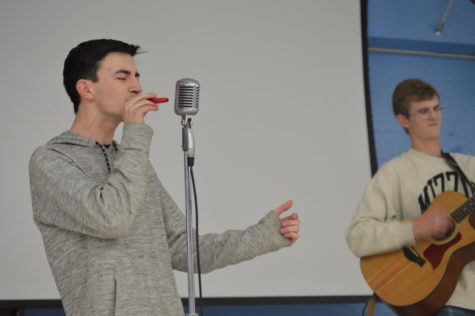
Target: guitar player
[(391, 214)]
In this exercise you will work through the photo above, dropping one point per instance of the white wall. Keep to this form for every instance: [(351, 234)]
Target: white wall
[(282, 117)]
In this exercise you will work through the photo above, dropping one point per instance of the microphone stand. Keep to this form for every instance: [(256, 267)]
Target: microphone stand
[(188, 145)]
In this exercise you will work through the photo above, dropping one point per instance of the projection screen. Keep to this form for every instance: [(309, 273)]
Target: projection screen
[(282, 116)]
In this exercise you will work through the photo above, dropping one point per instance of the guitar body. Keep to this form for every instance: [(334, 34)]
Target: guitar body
[(419, 280)]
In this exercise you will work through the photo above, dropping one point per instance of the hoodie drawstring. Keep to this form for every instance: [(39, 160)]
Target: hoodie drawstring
[(103, 148)]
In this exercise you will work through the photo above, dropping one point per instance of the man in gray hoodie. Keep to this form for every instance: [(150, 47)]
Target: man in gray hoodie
[(111, 231)]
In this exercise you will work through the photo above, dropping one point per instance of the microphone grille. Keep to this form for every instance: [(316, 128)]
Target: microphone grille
[(187, 96)]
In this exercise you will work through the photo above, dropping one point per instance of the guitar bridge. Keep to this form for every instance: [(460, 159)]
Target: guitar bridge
[(412, 255)]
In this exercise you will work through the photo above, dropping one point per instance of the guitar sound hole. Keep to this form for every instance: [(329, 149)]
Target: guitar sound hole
[(450, 233), (447, 235)]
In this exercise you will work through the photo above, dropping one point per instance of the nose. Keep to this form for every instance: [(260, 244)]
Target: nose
[(135, 86)]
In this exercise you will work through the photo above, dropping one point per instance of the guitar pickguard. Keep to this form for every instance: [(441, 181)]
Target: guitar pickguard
[(434, 253)]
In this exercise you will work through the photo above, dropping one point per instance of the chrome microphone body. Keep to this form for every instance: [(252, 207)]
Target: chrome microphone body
[(187, 96)]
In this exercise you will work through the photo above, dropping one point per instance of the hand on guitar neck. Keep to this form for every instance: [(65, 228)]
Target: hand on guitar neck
[(434, 224)]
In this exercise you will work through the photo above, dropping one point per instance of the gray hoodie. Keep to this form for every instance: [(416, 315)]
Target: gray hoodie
[(113, 239)]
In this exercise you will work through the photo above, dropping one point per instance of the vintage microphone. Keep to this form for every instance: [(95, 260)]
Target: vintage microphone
[(187, 96), (186, 104)]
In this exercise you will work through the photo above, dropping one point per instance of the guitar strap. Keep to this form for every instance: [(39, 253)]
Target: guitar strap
[(370, 305), (453, 163)]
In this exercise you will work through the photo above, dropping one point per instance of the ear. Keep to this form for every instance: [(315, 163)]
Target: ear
[(85, 89), (403, 120)]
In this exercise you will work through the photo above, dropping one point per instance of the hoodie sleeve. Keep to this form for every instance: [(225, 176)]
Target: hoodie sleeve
[(219, 250), (65, 196)]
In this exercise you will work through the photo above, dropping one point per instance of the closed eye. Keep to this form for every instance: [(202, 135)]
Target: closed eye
[(126, 74)]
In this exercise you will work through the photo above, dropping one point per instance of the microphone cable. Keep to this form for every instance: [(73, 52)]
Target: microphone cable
[(191, 161)]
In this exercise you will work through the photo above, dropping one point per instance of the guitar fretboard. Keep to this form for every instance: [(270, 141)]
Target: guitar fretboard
[(464, 210)]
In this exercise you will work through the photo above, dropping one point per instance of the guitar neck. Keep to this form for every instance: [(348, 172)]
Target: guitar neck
[(466, 209)]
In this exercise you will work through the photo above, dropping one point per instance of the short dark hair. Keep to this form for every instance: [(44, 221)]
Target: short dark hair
[(410, 90), (83, 61)]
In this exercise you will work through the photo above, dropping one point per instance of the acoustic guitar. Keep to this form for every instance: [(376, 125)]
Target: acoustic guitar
[(418, 280)]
